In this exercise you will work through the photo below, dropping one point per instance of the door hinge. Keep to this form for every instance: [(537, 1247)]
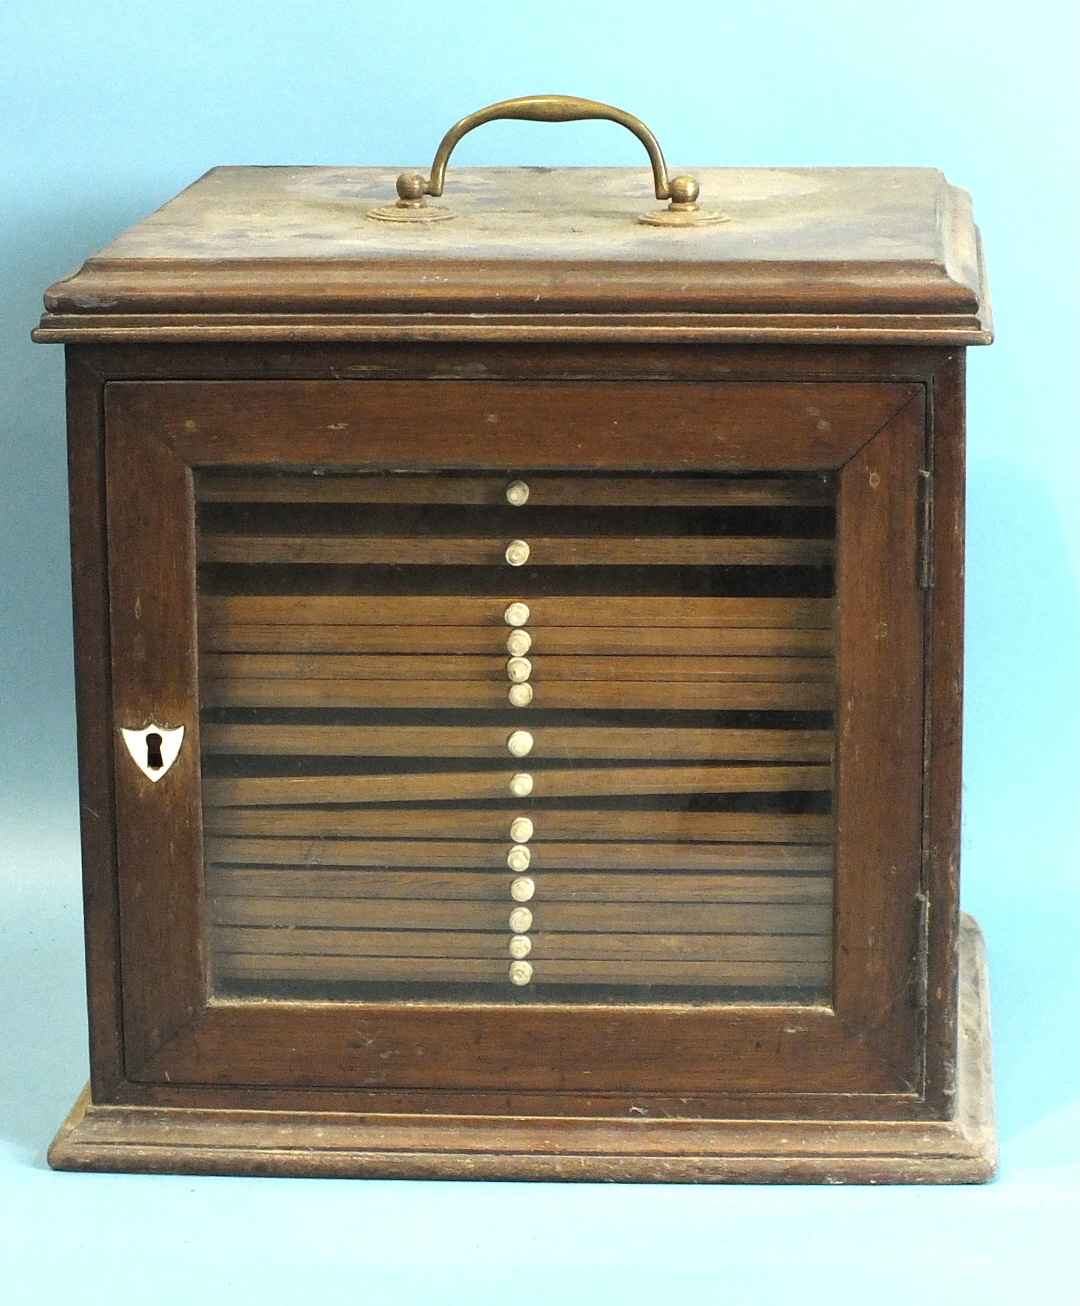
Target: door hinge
[(922, 951), (925, 530)]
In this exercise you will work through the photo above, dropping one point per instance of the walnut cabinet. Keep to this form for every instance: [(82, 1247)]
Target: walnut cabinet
[(519, 680)]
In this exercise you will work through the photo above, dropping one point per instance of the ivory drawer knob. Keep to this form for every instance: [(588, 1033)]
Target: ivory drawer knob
[(521, 695), (517, 553), (518, 859), (520, 972), (518, 643), (517, 614), (520, 743), (521, 785), (520, 946), (517, 493), (522, 889), (521, 829), (519, 670), (521, 920)]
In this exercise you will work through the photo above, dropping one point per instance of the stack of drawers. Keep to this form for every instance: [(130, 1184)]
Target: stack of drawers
[(507, 736)]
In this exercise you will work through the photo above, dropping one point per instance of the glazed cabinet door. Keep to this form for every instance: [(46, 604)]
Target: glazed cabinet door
[(518, 739)]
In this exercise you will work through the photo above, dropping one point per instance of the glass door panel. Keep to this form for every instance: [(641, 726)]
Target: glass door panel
[(552, 738)]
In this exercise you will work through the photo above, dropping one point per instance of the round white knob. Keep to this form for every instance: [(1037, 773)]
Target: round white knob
[(520, 972), (517, 493), (521, 920), (520, 743), (519, 670), (520, 946), (522, 889), (518, 859), (521, 785), (517, 614), (521, 829), (518, 642), (521, 695), (517, 553)]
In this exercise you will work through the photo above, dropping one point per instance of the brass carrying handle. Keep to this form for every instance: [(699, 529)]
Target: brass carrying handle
[(681, 191)]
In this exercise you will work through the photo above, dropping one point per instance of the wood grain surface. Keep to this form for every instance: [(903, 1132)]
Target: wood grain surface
[(560, 742), (733, 641), (574, 491), (560, 782), (551, 824), (734, 695), (695, 880), (544, 611), (551, 551), (641, 425)]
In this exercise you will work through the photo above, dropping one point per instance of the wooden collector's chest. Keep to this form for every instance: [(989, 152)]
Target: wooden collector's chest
[(519, 654)]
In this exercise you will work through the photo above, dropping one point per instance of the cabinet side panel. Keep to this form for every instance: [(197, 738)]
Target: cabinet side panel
[(880, 742), (945, 644)]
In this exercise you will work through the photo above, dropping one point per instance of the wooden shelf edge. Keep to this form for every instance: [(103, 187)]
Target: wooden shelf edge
[(181, 1140)]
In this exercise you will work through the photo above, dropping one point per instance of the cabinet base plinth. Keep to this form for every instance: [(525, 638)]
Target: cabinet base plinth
[(186, 1140)]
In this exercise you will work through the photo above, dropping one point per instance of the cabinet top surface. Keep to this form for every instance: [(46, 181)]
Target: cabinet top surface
[(863, 250)]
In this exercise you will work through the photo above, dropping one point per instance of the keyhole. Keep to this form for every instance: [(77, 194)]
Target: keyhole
[(154, 760)]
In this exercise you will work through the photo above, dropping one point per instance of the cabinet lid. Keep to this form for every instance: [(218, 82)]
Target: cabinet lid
[(840, 255)]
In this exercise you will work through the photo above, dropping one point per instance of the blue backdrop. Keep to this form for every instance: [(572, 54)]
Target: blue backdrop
[(108, 109)]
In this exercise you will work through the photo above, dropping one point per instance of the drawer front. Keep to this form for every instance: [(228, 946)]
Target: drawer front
[(572, 769)]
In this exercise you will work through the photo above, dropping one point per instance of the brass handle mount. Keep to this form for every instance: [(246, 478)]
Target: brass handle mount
[(681, 192)]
